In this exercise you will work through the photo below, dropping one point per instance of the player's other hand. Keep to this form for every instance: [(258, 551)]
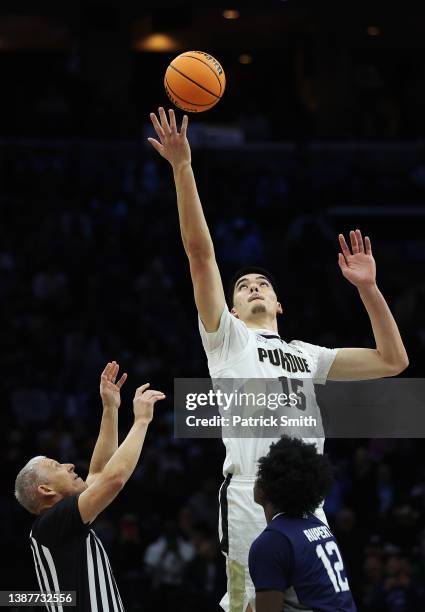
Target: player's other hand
[(143, 403), (109, 389), (172, 144), (357, 265)]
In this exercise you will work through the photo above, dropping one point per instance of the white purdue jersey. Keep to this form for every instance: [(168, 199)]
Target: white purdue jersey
[(238, 352)]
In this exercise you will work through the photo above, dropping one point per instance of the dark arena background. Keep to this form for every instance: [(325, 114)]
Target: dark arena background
[(321, 130)]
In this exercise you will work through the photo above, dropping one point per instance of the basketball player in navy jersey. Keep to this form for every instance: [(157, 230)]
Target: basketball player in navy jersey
[(241, 341), (295, 563)]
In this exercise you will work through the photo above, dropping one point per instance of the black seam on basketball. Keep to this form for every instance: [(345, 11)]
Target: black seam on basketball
[(173, 98), (167, 85), (195, 83), (188, 101), (208, 66)]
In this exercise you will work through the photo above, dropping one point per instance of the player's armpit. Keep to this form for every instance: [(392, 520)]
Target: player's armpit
[(269, 601), (208, 290), (99, 494), (361, 364)]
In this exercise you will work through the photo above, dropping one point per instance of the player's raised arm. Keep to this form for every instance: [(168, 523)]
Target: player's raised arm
[(389, 358), (207, 285), (121, 465)]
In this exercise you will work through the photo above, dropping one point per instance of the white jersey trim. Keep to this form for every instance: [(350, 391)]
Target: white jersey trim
[(90, 571), (44, 584)]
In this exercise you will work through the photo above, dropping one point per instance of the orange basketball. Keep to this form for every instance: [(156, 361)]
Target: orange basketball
[(194, 81)]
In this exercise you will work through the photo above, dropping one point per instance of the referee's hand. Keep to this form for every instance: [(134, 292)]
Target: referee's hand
[(144, 401), (110, 388)]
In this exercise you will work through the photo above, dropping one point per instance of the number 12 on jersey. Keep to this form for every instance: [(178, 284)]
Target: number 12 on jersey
[(334, 570)]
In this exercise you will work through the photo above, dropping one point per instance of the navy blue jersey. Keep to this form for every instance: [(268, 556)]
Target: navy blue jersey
[(303, 554)]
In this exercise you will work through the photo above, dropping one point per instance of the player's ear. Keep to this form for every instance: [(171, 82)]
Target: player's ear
[(258, 494), (234, 313), (279, 308)]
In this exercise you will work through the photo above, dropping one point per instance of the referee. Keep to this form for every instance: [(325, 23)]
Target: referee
[(68, 555)]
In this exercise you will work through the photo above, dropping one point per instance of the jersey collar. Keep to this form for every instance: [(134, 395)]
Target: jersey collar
[(269, 335)]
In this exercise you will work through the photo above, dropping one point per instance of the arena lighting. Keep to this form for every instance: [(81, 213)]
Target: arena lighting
[(245, 58), (373, 31), (231, 14), (157, 42)]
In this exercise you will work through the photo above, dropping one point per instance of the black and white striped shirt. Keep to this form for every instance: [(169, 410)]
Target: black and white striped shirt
[(69, 556)]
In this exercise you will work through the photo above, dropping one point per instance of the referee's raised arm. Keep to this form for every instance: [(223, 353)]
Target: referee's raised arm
[(121, 465), (107, 440), (207, 285), (68, 554)]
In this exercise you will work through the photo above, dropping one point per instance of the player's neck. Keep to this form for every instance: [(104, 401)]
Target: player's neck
[(270, 511), (262, 322)]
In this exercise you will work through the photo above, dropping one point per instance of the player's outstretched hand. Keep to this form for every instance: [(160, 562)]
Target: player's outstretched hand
[(172, 145), (144, 401), (109, 389), (357, 265)]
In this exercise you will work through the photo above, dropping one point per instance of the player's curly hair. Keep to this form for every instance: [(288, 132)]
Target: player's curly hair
[(294, 477)]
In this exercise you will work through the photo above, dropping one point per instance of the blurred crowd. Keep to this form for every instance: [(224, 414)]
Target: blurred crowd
[(92, 269)]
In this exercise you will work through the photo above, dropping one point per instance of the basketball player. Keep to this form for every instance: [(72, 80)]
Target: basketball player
[(245, 344), (68, 555), (295, 563)]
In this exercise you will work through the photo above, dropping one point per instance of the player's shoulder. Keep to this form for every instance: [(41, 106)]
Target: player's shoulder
[(273, 535), (306, 348), (271, 547), (227, 319), (301, 345)]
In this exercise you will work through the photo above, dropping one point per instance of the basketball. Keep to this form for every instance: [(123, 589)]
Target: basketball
[(194, 81)]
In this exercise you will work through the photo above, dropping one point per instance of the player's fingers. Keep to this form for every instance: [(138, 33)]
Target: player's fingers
[(122, 380), (344, 246), (368, 245), (185, 123), (173, 125), (156, 145), (157, 126), (353, 240), (360, 240), (114, 371), (164, 121)]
